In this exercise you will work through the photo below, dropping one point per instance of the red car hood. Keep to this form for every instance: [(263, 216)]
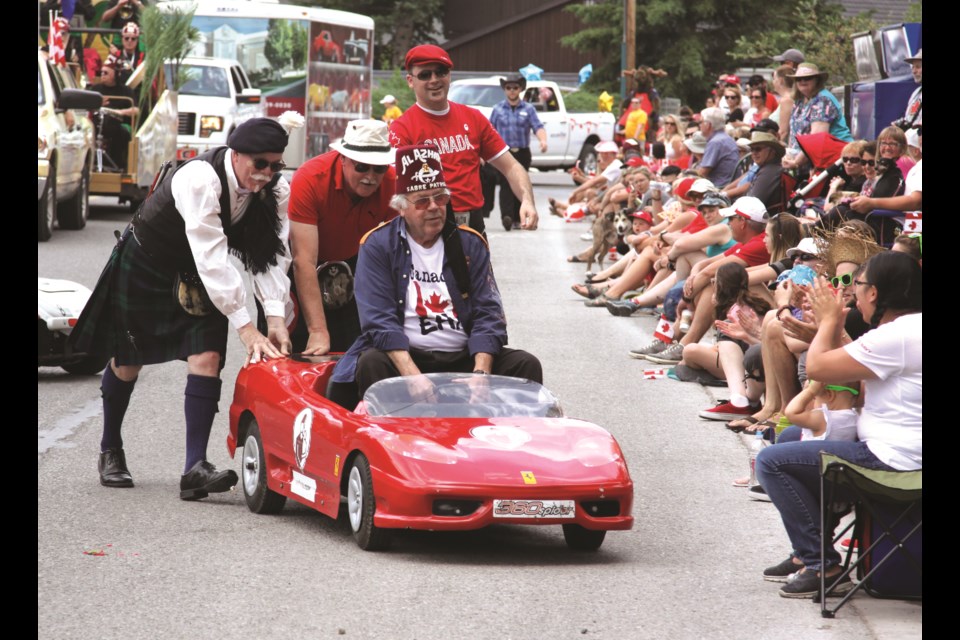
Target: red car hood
[(500, 451)]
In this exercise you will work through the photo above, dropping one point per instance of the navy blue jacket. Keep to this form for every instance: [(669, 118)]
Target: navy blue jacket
[(383, 273)]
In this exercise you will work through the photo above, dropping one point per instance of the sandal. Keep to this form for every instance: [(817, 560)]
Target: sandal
[(742, 483), (738, 428), (588, 291), (599, 301), (763, 425)]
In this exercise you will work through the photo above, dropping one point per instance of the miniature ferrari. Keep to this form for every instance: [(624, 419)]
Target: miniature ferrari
[(478, 450)]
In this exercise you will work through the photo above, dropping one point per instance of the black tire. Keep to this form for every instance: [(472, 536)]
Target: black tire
[(47, 206), (588, 159), (582, 539), (87, 366), (72, 214), (260, 499), (361, 505)]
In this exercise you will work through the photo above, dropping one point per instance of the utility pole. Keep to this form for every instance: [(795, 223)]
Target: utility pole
[(628, 48)]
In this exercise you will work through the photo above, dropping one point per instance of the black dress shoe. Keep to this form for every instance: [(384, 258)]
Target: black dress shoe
[(204, 479), (113, 469), (507, 223)]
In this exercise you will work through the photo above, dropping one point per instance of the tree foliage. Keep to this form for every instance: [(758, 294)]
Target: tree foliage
[(696, 40), (817, 28), (167, 36), (399, 24), (395, 85)]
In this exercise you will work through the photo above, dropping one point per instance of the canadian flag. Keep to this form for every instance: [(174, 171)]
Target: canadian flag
[(59, 28), (664, 330), (913, 222)]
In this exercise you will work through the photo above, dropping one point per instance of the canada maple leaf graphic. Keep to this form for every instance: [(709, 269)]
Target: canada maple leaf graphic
[(436, 303)]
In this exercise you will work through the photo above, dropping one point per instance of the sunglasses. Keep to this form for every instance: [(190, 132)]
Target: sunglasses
[(512, 87), (852, 160), (756, 97), (363, 167), (425, 76), (441, 200), (868, 163), (129, 38), (842, 281), (733, 97), (807, 257), (262, 163)]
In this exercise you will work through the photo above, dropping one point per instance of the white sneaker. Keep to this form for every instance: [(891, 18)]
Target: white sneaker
[(587, 236)]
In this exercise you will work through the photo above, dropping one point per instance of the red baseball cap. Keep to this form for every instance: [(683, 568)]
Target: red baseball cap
[(643, 215), (427, 54)]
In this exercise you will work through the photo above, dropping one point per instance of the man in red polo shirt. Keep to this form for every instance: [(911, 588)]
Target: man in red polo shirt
[(463, 136), (335, 199)]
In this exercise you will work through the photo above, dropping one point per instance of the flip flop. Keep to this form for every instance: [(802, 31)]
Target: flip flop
[(761, 426), (738, 428), (742, 483)]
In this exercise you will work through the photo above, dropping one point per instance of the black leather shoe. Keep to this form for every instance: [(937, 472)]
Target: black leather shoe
[(204, 479), (113, 469), (507, 223)]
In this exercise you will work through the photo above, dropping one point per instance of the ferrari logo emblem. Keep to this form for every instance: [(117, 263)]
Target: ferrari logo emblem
[(528, 477)]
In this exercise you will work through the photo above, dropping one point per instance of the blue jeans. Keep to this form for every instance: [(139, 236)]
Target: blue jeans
[(671, 300), (790, 474)]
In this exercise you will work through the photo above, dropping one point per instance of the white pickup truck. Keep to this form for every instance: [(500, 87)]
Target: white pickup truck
[(570, 136)]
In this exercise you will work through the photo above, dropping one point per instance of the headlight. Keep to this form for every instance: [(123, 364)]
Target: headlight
[(209, 124)]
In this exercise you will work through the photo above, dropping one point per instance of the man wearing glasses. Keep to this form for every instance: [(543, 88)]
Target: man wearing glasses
[(426, 292), (171, 292), (129, 55), (335, 199), (463, 137), (514, 119)]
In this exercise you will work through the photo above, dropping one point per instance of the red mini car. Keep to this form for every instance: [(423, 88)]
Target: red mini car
[(475, 451)]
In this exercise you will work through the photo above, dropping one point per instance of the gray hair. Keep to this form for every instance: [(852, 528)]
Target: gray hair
[(401, 201), (714, 117)]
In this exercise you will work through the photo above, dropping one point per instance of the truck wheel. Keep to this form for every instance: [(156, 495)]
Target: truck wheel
[(47, 206), (73, 213), (588, 159)]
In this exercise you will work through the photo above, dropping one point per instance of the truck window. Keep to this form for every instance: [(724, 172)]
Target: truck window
[(238, 84), (542, 99)]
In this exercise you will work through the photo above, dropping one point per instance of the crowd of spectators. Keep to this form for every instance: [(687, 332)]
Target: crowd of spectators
[(810, 316)]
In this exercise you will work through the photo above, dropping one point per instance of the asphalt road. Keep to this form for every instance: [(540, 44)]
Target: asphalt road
[(690, 568)]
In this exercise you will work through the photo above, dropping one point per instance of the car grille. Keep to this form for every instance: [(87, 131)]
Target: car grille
[(187, 125)]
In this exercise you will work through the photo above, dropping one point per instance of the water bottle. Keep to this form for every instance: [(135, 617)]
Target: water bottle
[(755, 448), (686, 319)]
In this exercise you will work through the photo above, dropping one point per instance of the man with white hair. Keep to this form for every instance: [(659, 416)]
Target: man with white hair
[(720, 156), (427, 295)]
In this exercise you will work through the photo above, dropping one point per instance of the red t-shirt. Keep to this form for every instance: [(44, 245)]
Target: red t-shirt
[(697, 224), (772, 102), (318, 196), (463, 136), (753, 251)]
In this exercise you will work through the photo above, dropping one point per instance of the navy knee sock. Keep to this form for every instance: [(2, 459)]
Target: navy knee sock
[(116, 398), (200, 407)]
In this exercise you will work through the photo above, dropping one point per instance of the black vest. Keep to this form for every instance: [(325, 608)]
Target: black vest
[(160, 228)]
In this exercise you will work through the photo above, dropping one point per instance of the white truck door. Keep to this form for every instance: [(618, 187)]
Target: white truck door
[(554, 120)]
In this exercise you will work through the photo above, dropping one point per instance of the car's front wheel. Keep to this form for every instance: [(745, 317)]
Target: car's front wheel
[(260, 499), (361, 506), (582, 539), (73, 213), (47, 206)]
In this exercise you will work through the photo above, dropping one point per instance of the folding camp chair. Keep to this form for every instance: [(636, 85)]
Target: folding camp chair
[(889, 503)]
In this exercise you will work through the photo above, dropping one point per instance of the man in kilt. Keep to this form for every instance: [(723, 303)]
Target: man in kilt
[(170, 292)]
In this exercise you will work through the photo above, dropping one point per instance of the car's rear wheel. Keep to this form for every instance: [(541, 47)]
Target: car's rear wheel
[(86, 366), (582, 539), (47, 206), (361, 506), (260, 499), (73, 213)]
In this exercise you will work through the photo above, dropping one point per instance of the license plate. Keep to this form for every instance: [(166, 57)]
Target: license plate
[(534, 509)]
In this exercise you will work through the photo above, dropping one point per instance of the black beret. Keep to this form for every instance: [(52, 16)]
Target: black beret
[(258, 135)]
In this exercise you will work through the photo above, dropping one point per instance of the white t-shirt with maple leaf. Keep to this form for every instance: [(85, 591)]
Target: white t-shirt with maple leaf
[(430, 321)]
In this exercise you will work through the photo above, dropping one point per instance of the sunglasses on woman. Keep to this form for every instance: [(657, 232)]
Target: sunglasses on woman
[(868, 163), (842, 281), (756, 97), (424, 203), (852, 160), (262, 163), (732, 97), (426, 75)]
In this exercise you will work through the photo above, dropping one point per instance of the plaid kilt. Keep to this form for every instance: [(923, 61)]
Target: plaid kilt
[(133, 314)]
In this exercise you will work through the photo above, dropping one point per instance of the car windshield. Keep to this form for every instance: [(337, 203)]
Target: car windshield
[(204, 81), (476, 95), (458, 395)]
